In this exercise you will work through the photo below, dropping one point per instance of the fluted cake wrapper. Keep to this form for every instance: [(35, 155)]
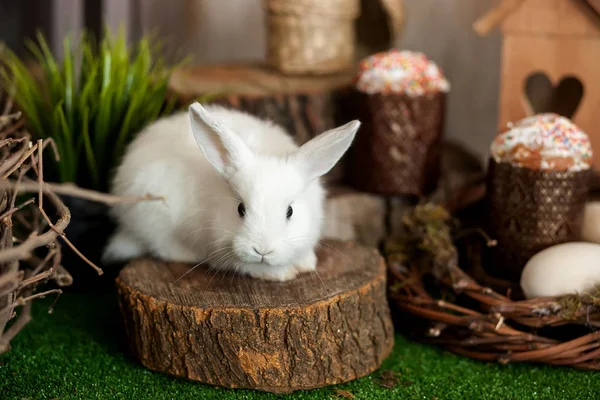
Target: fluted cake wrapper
[(397, 150), (529, 210)]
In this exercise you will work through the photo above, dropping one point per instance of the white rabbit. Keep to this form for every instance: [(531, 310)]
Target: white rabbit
[(250, 201)]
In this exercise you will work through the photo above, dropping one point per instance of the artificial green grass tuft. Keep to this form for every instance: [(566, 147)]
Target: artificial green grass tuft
[(79, 352), (91, 101)]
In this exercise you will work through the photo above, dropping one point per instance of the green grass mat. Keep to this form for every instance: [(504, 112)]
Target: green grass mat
[(79, 352)]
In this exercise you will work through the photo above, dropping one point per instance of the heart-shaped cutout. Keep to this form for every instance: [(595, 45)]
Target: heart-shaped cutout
[(541, 96)]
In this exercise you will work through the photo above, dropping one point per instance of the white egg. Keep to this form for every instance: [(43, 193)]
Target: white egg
[(590, 230), (562, 269)]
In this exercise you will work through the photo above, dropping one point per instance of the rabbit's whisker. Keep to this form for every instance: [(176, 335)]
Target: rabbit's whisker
[(324, 244), (201, 262), (338, 251), (211, 228), (322, 283), (225, 260)]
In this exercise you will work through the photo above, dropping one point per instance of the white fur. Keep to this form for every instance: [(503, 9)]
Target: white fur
[(241, 159)]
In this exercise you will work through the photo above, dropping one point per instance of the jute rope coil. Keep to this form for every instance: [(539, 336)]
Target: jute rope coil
[(311, 36)]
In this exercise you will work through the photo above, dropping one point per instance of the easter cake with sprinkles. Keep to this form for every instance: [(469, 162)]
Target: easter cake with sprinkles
[(400, 71), (400, 98), (544, 141), (537, 185)]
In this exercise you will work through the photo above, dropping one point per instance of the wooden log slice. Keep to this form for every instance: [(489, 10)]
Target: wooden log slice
[(304, 105), (240, 332)]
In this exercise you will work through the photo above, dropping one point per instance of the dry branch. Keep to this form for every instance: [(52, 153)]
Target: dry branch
[(495, 16), (22, 270), (68, 189)]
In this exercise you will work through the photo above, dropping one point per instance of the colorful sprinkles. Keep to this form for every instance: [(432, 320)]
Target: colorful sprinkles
[(396, 71), (545, 141)]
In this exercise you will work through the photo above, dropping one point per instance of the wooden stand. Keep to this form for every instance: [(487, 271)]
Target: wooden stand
[(304, 105), (240, 332), (355, 216)]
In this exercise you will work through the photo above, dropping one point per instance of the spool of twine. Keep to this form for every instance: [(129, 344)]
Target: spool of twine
[(529, 210), (311, 36), (397, 151)]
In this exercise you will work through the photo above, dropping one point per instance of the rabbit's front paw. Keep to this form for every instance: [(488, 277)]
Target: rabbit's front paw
[(175, 251), (280, 274), (307, 263)]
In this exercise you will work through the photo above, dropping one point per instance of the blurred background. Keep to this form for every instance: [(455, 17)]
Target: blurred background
[(217, 31)]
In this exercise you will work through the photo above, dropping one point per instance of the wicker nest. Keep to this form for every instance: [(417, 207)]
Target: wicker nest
[(436, 275)]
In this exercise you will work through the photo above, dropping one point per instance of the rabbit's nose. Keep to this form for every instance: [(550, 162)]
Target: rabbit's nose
[(261, 252)]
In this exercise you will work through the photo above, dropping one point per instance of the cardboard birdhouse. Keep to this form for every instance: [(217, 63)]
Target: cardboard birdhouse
[(550, 61)]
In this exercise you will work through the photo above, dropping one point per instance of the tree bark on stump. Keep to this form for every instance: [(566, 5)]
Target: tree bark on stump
[(240, 332), (304, 105)]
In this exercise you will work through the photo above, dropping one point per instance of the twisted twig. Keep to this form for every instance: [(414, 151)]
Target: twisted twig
[(21, 170)]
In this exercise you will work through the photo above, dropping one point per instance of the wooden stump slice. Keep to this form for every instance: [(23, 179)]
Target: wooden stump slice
[(240, 332), (304, 105)]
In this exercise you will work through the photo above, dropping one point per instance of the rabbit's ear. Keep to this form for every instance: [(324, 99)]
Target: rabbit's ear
[(220, 145), (320, 154)]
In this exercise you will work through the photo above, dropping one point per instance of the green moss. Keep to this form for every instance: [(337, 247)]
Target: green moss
[(573, 306), (79, 352)]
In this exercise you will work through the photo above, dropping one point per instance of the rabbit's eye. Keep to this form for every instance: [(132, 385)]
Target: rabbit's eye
[(289, 213), (241, 210)]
